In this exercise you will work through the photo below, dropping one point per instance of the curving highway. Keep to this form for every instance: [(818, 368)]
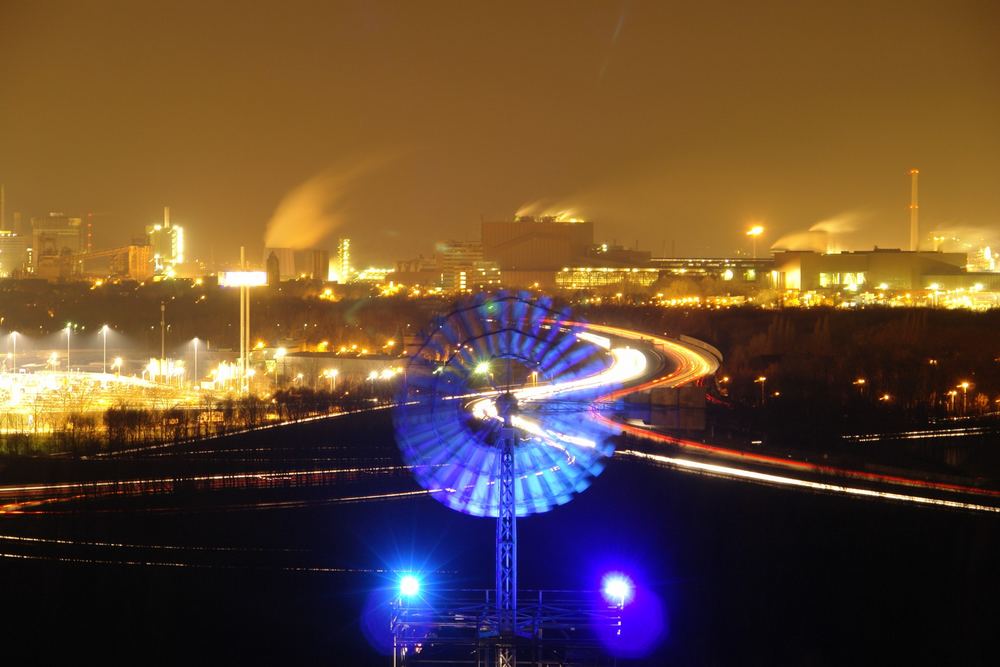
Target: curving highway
[(689, 361)]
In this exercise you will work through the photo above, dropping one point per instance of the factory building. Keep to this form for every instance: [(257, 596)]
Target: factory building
[(273, 269), (586, 278), (344, 271), (56, 243), (13, 253), (166, 241), (739, 269), (535, 244), (458, 260), (863, 270), (418, 271), (131, 262), (286, 261), (320, 265)]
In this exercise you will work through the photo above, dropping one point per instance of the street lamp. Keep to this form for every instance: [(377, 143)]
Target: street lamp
[(761, 380), (964, 386), (753, 233), (117, 365), (104, 366)]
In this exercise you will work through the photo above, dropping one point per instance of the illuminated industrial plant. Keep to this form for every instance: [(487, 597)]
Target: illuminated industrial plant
[(166, 242)]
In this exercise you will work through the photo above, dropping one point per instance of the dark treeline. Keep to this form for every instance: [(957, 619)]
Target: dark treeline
[(126, 426)]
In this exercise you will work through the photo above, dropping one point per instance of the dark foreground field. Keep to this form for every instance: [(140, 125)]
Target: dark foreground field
[(735, 573)]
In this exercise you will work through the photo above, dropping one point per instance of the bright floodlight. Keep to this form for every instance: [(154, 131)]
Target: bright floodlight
[(483, 367), (242, 278), (409, 586), (617, 589)]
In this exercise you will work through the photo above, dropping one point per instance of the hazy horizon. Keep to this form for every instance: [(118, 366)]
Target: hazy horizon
[(399, 125)]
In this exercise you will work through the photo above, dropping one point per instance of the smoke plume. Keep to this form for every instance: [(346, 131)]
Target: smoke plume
[(830, 235), (314, 209)]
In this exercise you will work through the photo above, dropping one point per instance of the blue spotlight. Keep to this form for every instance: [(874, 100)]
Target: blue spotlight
[(409, 586), (617, 588)]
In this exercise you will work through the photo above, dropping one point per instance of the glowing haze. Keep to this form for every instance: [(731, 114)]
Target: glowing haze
[(674, 125)]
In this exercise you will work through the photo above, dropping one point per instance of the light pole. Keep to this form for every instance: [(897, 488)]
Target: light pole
[(117, 365), (965, 395), (331, 374), (69, 329), (762, 380), (163, 331), (13, 358), (104, 367), (753, 233), (279, 355), (195, 343)]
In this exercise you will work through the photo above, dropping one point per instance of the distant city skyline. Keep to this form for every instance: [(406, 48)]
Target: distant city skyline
[(410, 125)]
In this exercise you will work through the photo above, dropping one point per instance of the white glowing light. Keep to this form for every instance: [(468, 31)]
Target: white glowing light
[(242, 278)]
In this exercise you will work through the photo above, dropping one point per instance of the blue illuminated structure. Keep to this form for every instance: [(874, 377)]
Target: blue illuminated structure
[(409, 586), (494, 419)]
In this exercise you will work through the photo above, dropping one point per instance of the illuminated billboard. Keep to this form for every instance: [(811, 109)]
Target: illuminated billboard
[(242, 278)]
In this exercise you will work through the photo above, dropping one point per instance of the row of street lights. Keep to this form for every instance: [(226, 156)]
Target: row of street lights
[(861, 383), (116, 362)]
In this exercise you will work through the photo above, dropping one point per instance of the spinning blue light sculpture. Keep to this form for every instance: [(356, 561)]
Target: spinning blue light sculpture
[(491, 344), (493, 419)]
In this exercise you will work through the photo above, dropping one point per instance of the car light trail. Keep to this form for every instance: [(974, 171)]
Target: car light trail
[(31, 495), (693, 364), (781, 480)]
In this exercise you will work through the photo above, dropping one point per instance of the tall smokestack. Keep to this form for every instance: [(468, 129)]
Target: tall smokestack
[(166, 216), (914, 211)]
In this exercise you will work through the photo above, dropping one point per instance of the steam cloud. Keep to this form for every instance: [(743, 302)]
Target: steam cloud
[(314, 209), (548, 208), (963, 238), (824, 236)]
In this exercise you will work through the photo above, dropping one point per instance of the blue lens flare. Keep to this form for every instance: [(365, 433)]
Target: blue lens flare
[(617, 589), (409, 586)]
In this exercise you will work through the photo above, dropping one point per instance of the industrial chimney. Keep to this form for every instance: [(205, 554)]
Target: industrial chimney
[(914, 212)]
